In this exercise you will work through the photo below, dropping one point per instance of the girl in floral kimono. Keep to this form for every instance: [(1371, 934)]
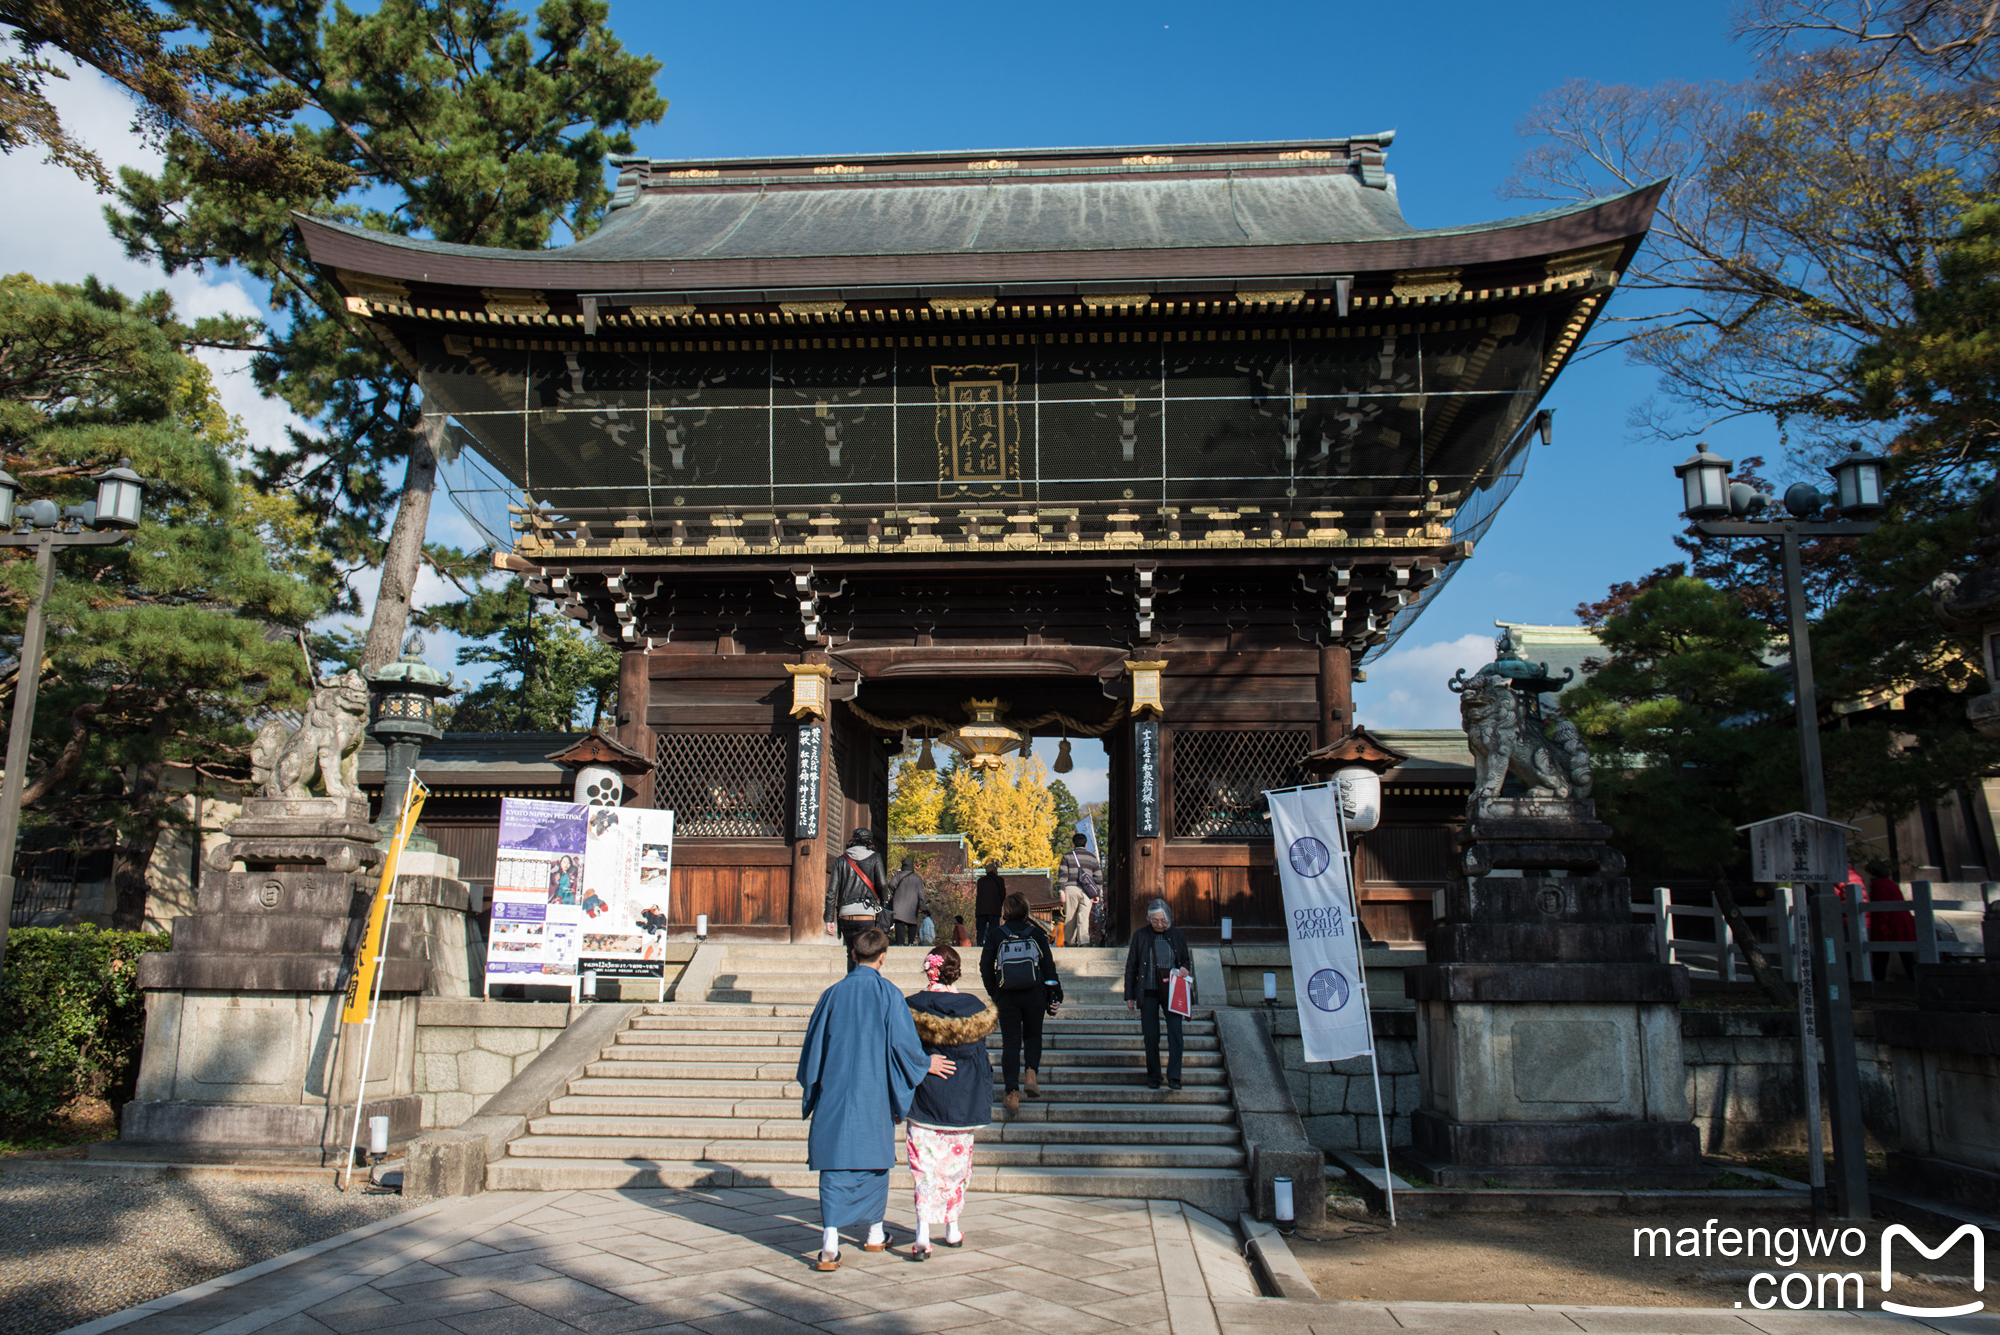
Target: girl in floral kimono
[(946, 1111)]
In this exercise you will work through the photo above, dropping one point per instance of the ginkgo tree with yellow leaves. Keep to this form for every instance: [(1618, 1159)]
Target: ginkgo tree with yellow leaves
[(916, 801), (1006, 812)]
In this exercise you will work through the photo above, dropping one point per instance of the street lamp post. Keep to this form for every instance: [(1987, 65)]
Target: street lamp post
[(46, 527), (1708, 497)]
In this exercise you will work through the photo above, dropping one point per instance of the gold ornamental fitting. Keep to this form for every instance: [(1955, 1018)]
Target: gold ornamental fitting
[(1146, 688), (809, 681)]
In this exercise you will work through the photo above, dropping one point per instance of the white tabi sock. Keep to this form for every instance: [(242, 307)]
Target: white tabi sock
[(951, 1233), (875, 1235), (923, 1234), (829, 1240)]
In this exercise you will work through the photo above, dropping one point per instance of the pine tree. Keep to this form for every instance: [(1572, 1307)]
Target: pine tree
[(162, 649), (456, 120), (1686, 724), (550, 676), (1067, 814)]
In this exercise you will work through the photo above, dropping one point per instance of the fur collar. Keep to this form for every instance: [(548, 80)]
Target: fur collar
[(950, 1031)]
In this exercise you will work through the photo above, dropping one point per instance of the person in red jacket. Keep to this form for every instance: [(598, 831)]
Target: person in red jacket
[(1891, 924)]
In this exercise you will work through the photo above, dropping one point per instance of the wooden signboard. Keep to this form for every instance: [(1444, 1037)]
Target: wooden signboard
[(1799, 849), (805, 806), (1146, 752)]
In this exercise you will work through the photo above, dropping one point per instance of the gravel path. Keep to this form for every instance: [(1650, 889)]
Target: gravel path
[(75, 1246)]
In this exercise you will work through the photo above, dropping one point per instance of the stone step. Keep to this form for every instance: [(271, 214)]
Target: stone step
[(700, 1092), (724, 991), (913, 972), (791, 1028), (638, 1086), (1005, 1129), (712, 1061), (1009, 1154), (781, 951), (1182, 1108), (786, 1095), (790, 1010), (1131, 1068), (1218, 1191), (790, 994)]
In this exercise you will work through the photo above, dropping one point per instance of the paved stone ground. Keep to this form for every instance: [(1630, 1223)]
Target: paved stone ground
[(735, 1260)]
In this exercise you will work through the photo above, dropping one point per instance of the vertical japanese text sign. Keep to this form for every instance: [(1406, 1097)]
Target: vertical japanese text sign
[(805, 807), (1146, 771)]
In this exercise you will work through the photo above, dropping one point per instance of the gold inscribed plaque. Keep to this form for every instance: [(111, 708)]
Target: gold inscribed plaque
[(978, 430)]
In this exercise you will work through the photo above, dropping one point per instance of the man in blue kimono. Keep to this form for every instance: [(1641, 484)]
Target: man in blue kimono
[(861, 1063)]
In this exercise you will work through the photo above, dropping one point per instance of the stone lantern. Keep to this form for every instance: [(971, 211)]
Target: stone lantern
[(402, 715)]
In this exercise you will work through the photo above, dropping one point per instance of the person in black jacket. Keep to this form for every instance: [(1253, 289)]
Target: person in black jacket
[(857, 891), (1158, 952), (1022, 1006), (989, 892), (946, 1111)]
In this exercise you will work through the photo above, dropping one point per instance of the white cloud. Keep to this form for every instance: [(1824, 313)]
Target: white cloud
[(1406, 687)]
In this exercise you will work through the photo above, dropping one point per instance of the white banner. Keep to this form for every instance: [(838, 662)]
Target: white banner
[(1319, 923)]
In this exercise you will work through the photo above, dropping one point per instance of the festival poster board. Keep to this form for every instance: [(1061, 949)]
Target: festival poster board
[(628, 870), (579, 888), (536, 934)]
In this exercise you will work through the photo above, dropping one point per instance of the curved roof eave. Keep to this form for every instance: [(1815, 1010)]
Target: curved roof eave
[(1619, 217)]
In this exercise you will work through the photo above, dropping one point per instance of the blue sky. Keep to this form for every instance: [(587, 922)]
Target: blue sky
[(1452, 79)]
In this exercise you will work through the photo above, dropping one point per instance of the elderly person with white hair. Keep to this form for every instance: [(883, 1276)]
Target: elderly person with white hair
[(1158, 954)]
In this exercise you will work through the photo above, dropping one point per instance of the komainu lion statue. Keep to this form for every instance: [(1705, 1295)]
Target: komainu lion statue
[(327, 743), (1505, 739)]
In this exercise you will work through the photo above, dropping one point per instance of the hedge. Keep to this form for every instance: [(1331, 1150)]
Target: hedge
[(72, 1019)]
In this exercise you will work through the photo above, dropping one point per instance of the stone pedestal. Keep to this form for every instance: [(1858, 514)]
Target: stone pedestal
[(245, 1058), (1548, 1039), (1946, 1057)]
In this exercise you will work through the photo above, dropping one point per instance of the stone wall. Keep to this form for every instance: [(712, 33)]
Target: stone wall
[(1742, 1082), (467, 1050), (1337, 1102)]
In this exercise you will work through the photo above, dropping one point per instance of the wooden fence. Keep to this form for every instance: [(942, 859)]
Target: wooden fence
[(1772, 924)]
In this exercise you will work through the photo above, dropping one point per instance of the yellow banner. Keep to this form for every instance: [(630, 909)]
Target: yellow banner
[(361, 982)]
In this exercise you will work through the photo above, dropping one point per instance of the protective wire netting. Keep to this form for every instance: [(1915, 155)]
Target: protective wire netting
[(1220, 779), (1475, 515), (723, 785)]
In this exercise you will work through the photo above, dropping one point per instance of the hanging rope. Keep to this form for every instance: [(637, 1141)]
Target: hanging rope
[(1080, 729), (1075, 726)]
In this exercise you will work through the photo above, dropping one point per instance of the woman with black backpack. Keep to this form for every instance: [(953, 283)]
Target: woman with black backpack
[(1018, 968)]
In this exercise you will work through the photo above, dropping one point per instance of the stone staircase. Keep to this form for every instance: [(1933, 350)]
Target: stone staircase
[(700, 1093)]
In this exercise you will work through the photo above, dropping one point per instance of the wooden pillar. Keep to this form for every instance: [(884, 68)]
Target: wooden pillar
[(634, 694), (1336, 693), (808, 889)]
